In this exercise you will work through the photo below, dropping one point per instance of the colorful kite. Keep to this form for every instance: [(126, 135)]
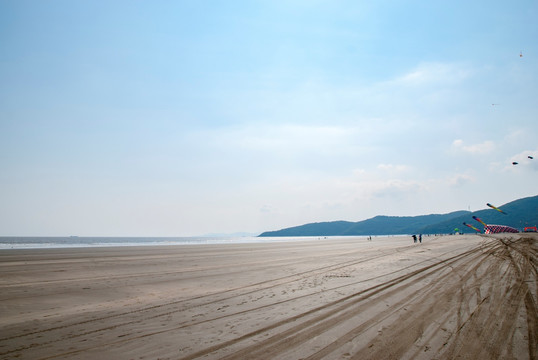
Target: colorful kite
[(471, 226), (480, 221), (496, 229), (496, 208)]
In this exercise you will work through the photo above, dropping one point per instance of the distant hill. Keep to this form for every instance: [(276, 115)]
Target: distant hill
[(379, 225), (520, 213)]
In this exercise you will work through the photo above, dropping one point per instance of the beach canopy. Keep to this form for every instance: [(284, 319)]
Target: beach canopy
[(496, 229)]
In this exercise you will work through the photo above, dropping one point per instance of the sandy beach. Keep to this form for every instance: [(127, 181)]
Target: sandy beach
[(459, 296)]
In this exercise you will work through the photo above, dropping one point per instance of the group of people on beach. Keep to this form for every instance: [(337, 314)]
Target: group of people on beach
[(419, 238)]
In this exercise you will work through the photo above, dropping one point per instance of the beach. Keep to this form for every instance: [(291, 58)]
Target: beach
[(453, 296)]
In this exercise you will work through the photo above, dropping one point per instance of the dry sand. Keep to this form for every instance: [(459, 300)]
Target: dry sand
[(450, 297)]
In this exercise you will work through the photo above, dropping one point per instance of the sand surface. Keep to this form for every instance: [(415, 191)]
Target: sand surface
[(467, 296)]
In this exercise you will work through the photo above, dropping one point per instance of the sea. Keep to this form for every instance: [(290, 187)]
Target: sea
[(7, 242)]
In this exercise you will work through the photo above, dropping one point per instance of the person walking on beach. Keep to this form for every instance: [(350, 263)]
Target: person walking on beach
[(414, 238), (420, 238)]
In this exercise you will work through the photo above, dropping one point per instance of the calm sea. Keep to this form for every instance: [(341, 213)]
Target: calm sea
[(75, 241)]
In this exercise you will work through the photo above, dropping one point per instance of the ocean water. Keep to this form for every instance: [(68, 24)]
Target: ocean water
[(7, 242)]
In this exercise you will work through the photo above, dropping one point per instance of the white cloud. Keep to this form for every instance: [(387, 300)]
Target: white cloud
[(434, 74), (390, 168), (457, 143), (266, 208), (358, 173), (480, 148), (396, 188), (288, 137), (459, 180)]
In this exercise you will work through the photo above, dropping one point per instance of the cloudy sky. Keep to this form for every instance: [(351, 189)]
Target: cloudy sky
[(180, 118)]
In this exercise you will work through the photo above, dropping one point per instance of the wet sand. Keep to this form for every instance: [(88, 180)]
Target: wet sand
[(450, 297)]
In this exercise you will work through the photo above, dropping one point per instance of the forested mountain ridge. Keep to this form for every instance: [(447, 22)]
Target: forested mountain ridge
[(519, 213)]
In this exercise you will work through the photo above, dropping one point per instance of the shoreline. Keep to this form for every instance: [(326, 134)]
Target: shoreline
[(14, 242), (8, 243)]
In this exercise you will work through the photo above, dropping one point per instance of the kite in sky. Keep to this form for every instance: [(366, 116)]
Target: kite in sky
[(529, 157), (480, 221), (471, 226), (496, 208)]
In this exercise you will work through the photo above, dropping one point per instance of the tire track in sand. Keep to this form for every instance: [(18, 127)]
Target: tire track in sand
[(32, 339), (321, 319), (453, 327)]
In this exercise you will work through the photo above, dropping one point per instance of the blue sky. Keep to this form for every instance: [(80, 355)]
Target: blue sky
[(179, 118)]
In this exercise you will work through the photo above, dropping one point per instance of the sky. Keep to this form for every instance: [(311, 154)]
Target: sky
[(187, 118)]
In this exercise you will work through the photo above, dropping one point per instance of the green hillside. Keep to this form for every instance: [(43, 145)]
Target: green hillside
[(394, 225), (379, 225), (519, 213), (313, 229)]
